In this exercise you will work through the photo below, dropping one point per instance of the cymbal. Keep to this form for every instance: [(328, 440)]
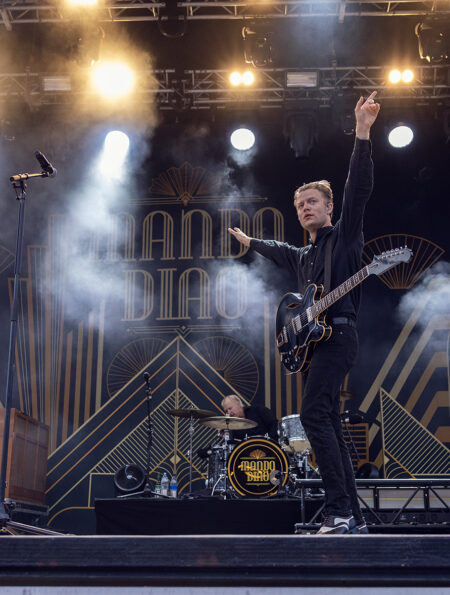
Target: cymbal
[(195, 413), (222, 422)]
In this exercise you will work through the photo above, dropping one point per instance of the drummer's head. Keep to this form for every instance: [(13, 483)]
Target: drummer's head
[(232, 405)]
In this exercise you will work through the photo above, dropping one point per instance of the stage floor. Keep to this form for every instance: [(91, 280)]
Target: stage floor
[(211, 560)]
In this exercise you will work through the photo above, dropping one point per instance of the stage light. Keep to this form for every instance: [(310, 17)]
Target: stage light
[(300, 128), (395, 76), (248, 78), (112, 79), (82, 2), (56, 83), (434, 40), (257, 46), (304, 79), (242, 139), (400, 136), (115, 149), (407, 76), (235, 78)]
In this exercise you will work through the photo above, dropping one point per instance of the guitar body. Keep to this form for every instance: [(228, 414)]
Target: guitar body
[(300, 322), (297, 337)]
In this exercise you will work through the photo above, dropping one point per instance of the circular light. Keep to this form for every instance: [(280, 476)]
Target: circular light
[(248, 78), (400, 136), (112, 79), (116, 143), (235, 78), (395, 76), (242, 139), (407, 76)]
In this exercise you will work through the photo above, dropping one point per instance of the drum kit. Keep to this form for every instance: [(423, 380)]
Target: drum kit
[(256, 466)]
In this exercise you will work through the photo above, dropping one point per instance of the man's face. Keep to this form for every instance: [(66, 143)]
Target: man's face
[(233, 408), (313, 210)]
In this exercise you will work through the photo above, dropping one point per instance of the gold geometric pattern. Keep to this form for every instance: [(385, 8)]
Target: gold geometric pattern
[(170, 444), (403, 276), (6, 258), (185, 182), (129, 360), (409, 444), (233, 361)]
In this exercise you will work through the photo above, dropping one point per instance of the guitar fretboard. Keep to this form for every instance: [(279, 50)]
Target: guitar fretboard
[(320, 306)]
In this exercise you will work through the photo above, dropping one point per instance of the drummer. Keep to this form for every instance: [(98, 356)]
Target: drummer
[(266, 420)]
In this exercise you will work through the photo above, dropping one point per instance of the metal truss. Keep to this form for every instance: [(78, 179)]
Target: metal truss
[(206, 89), (50, 11)]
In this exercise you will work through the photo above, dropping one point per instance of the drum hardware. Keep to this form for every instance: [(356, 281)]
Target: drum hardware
[(227, 423), (192, 414)]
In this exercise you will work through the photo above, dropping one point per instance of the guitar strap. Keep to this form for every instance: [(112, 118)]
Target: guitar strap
[(327, 272)]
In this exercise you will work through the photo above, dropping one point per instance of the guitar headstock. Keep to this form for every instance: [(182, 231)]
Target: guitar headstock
[(386, 260)]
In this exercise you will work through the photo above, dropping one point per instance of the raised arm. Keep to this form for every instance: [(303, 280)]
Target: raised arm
[(366, 113)]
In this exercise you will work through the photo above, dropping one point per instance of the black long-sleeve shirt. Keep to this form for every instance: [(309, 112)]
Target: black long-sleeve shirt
[(308, 262), (266, 420)]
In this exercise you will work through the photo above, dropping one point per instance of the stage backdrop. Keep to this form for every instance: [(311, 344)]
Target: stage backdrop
[(160, 287)]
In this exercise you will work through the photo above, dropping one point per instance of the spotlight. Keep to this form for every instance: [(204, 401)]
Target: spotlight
[(395, 76), (82, 2), (248, 78), (129, 479), (235, 78), (242, 139), (112, 79), (115, 149), (434, 40), (407, 76), (257, 46), (400, 136)]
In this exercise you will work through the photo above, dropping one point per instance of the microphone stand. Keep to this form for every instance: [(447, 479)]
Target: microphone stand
[(18, 182), (147, 491)]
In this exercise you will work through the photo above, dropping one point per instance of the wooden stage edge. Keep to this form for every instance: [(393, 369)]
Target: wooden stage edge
[(212, 560)]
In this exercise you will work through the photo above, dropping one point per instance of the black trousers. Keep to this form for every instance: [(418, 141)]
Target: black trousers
[(320, 416)]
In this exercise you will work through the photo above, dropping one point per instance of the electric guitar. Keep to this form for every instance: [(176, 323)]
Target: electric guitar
[(300, 321)]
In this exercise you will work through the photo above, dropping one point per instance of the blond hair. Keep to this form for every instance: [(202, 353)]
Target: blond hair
[(234, 397), (323, 186)]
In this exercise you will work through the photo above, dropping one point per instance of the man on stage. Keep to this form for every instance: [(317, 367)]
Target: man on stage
[(331, 359), (266, 420)]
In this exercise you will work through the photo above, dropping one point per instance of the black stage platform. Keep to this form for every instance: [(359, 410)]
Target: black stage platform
[(295, 560)]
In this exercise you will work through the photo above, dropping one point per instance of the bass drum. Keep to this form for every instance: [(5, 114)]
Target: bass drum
[(257, 468)]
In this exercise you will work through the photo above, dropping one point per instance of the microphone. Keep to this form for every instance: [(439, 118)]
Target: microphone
[(47, 167), (146, 376), (351, 418)]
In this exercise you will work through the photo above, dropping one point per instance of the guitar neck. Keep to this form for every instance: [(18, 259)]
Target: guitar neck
[(335, 295)]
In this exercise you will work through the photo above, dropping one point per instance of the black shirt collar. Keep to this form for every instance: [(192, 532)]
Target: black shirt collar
[(321, 233)]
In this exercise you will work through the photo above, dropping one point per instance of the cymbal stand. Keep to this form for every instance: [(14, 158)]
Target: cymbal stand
[(226, 437), (191, 432)]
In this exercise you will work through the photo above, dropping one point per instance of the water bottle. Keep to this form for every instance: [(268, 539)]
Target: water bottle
[(173, 486), (164, 485), (158, 484)]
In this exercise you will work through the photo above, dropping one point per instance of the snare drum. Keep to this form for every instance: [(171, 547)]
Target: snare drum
[(292, 435), (257, 467)]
